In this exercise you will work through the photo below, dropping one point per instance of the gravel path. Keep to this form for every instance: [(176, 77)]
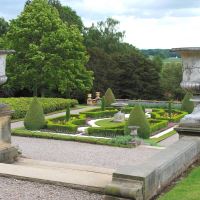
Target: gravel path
[(82, 153), (12, 189)]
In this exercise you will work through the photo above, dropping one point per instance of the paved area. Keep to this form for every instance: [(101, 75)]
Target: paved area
[(82, 153), (85, 177), (76, 111), (12, 189), (169, 141)]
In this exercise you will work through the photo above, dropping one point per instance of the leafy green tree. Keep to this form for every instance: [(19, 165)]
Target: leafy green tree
[(49, 54), (171, 76), (138, 118), (4, 26), (34, 119), (104, 35), (187, 105), (135, 76), (67, 15)]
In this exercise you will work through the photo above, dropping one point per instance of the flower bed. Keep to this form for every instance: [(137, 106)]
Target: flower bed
[(21, 105), (162, 114)]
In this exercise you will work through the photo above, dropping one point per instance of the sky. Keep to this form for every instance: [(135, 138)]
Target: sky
[(148, 24)]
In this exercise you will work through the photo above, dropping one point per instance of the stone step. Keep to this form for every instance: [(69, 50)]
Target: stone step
[(88, 178)]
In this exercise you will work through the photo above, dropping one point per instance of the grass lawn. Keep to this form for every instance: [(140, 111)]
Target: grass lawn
[(187, 189), (108, 123)]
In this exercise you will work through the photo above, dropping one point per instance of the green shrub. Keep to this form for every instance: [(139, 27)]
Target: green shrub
[(156, 125), (187, 105), (170, 109), (105, 132), (34, 119), (96, 113), (103, 103), (137, 118), (160, 114), (119, 142), (68, 112), (109, 97), (21, 105), (60, 124)]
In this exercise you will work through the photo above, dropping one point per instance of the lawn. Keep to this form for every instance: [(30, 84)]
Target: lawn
[(109, 123), (187, 189)]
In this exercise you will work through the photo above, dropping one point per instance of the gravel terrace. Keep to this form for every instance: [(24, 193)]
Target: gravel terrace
[(82, 153), (12, 189)]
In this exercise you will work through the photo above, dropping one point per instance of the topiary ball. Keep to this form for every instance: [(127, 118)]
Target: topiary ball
[(137, 118), (187, 105), (34, 119), (109, 97)]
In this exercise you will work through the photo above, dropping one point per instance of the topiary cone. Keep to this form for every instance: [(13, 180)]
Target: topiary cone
[(187, 105), (34, 119), (137, 118), (109, 97)]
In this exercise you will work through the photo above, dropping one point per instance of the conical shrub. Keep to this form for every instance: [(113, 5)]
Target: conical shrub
[(67, 117), (137, 118), (103, 103), (187, 105), (34, 119), (109, 97)]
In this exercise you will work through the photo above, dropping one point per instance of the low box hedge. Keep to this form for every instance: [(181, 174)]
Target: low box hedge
[(97, 113), (105, 132), (156, 125), (70, 126), (118, 142), (158, 114), (21, 105)]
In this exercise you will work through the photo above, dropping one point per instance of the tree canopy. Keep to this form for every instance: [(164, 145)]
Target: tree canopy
[(50, 55)]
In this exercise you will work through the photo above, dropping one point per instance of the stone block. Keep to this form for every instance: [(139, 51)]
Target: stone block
[(158, 171)]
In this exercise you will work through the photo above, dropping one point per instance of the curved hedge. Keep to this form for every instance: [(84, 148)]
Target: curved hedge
[(21, 105)]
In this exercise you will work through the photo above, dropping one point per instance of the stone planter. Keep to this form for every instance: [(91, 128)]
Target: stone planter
[(191, 82)]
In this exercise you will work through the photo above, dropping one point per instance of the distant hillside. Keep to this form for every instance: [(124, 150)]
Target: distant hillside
[(163, 53)]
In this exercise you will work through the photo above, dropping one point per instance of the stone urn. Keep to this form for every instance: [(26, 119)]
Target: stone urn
[(191, 82)]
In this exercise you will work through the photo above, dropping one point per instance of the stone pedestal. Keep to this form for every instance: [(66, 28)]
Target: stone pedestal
[(8, 153), (5, 129)]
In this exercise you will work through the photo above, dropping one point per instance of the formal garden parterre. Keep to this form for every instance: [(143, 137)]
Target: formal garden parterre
[(105, 130)]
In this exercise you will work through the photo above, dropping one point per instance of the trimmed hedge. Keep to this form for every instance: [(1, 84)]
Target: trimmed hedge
[(187, 105), (109, 97), (70, 126), (105, 132), (21, 105), (35, 119), (97, 113), (157, 114), (137, 118), (156, 125), (118, 142)]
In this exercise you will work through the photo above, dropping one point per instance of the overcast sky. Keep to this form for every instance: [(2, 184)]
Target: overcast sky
[(147, 23)]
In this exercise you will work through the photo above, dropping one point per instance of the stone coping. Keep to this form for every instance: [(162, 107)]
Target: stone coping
[(158, 171), (2, 52)]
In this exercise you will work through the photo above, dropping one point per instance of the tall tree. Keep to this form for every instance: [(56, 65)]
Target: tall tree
[(4, 26), (67, 14), (104, 35), (49, 54), (171, 77)]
